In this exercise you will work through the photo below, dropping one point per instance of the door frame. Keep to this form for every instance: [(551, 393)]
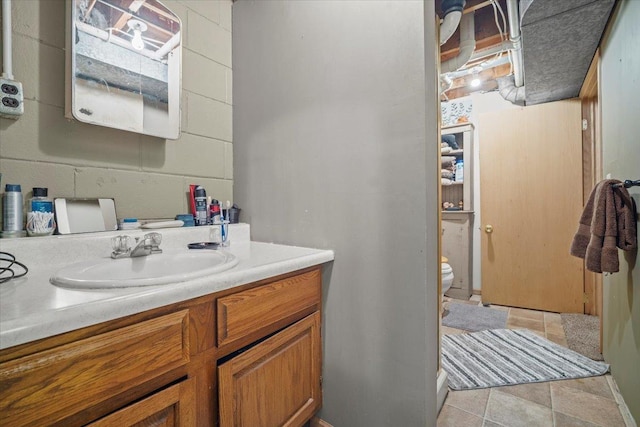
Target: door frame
[(592, 172)]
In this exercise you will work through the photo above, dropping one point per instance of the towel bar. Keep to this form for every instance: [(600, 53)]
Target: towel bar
[(628, 183)]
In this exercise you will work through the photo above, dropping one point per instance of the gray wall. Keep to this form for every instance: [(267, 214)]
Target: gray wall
[(335, 146), (620, 103), (147, 176)]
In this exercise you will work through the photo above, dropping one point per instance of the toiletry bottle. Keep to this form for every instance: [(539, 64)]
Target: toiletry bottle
[(39, 201), (201, 206), (459, 171), (12, 220), (214, 212)]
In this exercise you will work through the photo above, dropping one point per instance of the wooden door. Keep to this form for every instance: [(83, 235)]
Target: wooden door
[(276, 382), (531, 201), (171, 407)]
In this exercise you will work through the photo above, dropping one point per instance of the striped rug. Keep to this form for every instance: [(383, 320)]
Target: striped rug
[(501, 357)]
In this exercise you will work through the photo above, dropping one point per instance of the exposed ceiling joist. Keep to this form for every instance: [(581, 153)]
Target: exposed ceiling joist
[(559, 39), (488, 37)]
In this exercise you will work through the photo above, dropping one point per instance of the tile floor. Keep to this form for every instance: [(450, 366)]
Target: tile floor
[(585, 402)]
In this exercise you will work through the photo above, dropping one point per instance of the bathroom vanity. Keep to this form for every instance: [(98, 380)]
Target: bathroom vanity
[(242, 347)]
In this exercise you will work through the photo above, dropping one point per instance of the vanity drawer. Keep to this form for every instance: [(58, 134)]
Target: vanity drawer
[(48, 386), (259, 309)]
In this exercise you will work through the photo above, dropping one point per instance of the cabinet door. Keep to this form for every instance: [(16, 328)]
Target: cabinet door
[(456, 246), (173, 406), (276, 382)]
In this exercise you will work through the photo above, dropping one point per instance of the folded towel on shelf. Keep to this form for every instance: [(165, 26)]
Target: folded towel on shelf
[(450, 140), (445, 150), (447, 160), (608, 222), (445, 181), (445, 173)]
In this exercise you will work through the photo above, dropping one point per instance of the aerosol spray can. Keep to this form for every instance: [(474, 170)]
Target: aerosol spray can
[(201, 206), (12, 220)]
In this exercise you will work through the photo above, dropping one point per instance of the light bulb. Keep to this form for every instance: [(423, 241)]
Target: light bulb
[(475, 82), (137, 41)]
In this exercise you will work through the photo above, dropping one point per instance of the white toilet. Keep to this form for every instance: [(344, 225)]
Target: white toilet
[(447, 275)]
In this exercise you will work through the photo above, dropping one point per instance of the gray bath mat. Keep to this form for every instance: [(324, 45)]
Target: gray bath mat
[(473, 318), (583, 334), (510, 356)]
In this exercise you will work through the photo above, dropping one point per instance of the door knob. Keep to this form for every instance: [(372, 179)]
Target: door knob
[(488, 229)]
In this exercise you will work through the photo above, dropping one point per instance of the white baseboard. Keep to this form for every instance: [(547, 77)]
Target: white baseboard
[(443, 388)]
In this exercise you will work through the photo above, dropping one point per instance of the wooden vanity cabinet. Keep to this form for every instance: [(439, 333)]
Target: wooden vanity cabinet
[(246, 356), (274, 381)]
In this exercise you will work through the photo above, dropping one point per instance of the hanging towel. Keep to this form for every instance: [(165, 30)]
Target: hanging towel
[(608, 222)]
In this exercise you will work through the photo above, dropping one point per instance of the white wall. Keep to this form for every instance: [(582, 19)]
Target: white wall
[(335, 105), (147, 176), (620, 103)]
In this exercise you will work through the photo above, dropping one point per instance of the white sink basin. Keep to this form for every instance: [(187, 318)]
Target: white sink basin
[(158, 269)]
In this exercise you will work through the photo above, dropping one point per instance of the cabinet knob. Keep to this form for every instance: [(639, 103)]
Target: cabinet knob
[(488, 229)]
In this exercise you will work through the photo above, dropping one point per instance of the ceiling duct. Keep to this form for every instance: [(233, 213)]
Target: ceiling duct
[(559, 39), (512, 87), (516, 39), (467, 45), (508, 90), (451, 16)]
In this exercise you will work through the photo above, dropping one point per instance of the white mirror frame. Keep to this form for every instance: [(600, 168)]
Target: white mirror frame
[(112, 98)]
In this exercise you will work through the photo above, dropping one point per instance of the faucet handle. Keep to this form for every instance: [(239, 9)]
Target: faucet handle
[(121, 244), (154, 239)]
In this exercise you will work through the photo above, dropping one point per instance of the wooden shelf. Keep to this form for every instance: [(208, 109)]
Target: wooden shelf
[(457, 212)]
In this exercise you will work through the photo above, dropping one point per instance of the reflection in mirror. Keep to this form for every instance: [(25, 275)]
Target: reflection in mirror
[(125, 65)]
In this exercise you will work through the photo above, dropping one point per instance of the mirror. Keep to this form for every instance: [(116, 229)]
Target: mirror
[(125, 65)]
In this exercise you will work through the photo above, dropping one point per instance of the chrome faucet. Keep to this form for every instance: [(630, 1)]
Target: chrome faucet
[(147, 245)]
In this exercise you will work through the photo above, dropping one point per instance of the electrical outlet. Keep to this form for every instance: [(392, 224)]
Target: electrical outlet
[(11, 99)]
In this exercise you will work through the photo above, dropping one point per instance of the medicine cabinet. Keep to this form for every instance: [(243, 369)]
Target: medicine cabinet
[(124, 60)]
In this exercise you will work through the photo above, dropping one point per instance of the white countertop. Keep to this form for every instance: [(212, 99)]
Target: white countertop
[(31, 308)]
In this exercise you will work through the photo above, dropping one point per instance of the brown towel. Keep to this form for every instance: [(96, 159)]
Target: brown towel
[(627, 220), (608, 222)]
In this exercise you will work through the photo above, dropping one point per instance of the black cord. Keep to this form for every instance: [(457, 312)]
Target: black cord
[(9, 258)]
